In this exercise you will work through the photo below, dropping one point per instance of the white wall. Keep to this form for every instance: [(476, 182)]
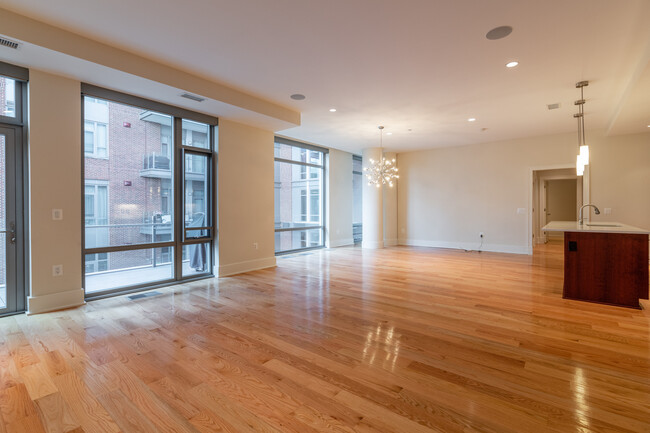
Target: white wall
[(620, 179), (339, 199), (245, 198), (55, 183), (447, 196)]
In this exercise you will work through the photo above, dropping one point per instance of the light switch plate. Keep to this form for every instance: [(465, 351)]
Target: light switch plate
[(57, 214), (608, 211)]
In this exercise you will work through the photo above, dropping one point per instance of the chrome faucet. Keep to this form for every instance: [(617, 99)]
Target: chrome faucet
[(596, 211)]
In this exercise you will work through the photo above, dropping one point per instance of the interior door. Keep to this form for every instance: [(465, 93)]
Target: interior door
[(12, 296)]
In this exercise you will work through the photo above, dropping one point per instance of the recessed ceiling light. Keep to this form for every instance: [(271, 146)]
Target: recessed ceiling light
[(332, 110), (512, 64), (498, 33), (298, 96), (389, 133), (471, 119)]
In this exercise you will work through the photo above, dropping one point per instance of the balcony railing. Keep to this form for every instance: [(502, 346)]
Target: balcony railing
[(100, 235), (155, 161), (156, 166)]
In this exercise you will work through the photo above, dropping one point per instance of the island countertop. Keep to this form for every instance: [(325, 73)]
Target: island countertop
[(592, 227)]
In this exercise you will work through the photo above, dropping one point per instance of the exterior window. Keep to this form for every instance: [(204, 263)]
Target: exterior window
[(303, 205), (135, 232), (299, 206), (96, 263), (7, 97), (314, 205), (95, 139), (96, 204), (357, 198)]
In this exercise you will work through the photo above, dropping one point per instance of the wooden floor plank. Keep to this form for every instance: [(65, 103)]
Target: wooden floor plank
[(400, 339)]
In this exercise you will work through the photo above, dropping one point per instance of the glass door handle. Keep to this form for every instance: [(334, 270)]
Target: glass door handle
[(12, 239)]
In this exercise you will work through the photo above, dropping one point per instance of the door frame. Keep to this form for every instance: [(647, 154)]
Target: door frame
[(15, 258), (533, 204), (21, 182)]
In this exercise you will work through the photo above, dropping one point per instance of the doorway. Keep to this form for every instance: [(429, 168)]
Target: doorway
[(12, 286), (561, 201), (557, 196)]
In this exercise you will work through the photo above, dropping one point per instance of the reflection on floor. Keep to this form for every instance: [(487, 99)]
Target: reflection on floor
[(400, 339)]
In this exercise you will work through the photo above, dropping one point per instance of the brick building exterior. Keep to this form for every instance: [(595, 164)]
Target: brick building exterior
[(128, 182)]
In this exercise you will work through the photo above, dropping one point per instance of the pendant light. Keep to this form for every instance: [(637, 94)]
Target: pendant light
[(583, 149), (383, 171)]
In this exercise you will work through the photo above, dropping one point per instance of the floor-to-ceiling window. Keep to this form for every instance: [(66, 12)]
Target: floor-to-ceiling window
[(299, 193), (357, 199), (148, 183), (13, 166)]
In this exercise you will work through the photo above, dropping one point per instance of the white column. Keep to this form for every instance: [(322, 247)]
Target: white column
[(373, 206), (390, 208)]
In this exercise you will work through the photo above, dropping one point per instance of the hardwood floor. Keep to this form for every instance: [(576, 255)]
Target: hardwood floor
[(395, 340)]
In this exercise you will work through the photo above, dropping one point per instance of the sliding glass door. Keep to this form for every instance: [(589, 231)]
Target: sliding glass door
[(12, 296), (12, 210), (147, 193)]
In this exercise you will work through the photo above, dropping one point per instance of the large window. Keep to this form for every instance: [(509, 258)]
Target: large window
[(147, 192), (357, 199), (299, 192)]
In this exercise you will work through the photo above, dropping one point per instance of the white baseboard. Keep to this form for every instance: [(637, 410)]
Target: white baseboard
[(340, 242), (390, 242), (247, 266), (372, 244), (494, 248), (55, 301)]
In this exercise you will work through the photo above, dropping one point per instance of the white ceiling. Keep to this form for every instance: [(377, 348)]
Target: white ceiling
[(423, 65)]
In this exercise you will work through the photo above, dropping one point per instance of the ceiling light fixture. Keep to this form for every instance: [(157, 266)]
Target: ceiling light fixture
[(381, 172), (471, 119), (512, 64), (498, 33), (332, 110), (389, 133), (297, 96), (583, 150)]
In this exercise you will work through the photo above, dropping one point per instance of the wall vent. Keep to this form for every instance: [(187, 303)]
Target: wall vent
[(192, 97), (7, 43), (553, 106)]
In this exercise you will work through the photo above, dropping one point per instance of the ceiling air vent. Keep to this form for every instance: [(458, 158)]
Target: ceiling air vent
[(7, 43), (192, 97), (553, 106)]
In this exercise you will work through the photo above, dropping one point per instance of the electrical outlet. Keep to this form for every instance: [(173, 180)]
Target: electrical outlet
[(57, 214), (481, 235), (255, 245), (57, 270)]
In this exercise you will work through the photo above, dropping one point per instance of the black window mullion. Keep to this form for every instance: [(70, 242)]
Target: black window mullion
[(179, 197)]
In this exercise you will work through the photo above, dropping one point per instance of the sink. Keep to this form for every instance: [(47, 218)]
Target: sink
[(602, 225)]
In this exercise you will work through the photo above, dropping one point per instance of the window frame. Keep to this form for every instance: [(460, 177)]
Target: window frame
[(95, 154), (178, 149), (305, 176)]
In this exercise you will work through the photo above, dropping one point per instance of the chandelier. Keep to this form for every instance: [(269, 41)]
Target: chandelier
[(381, 172), (583, 150)]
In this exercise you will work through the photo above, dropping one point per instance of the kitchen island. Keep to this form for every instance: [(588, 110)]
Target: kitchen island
[(605, 262)]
